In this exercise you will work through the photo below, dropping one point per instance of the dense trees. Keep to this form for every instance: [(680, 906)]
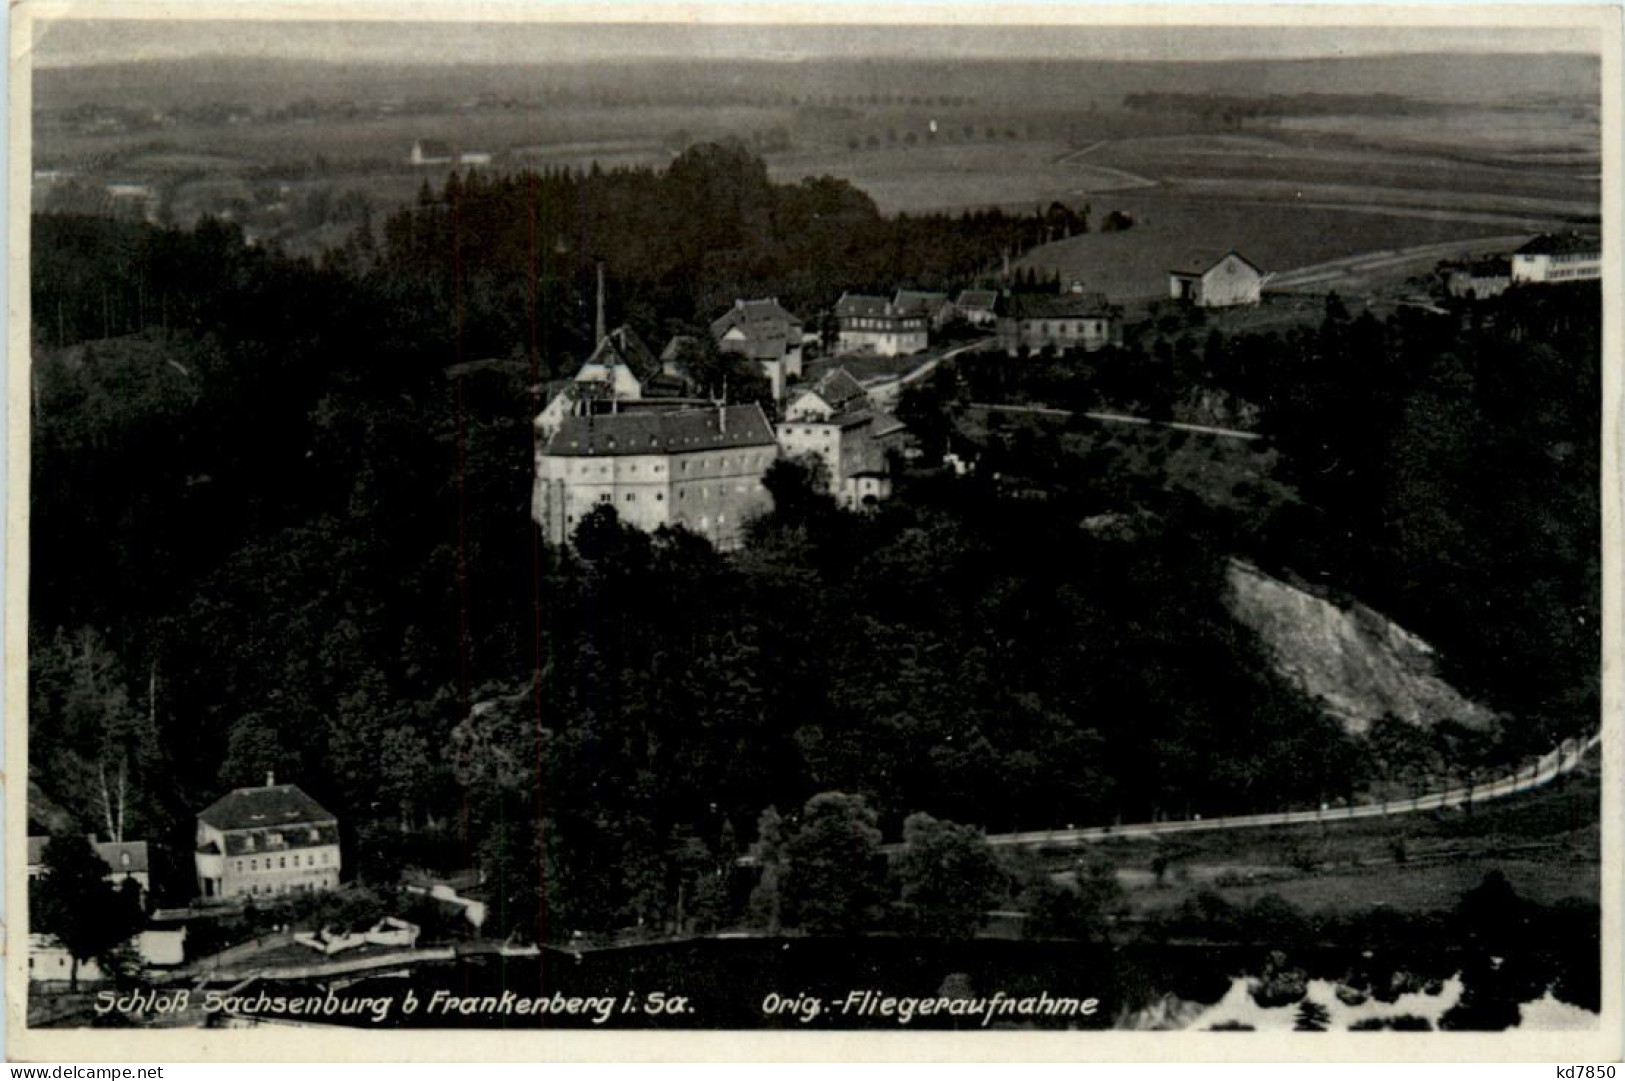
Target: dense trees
[(277, 526), (73, 902)]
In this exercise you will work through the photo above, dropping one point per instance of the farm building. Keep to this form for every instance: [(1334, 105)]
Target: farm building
[(1558, 257), (873, 325), (699, 467), (765, 332), (1216, 280), (1070, 320), (978, 307), (1480, 278)]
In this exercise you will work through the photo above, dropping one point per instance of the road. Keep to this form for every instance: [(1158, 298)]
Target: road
[(1122, 418), (1323, 273), (1554, 764), (887, 390)]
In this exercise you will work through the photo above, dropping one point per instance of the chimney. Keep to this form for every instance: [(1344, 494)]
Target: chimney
[(270, 778), (598, 326)]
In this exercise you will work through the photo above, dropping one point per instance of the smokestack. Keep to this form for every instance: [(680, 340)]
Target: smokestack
[(598, 326)]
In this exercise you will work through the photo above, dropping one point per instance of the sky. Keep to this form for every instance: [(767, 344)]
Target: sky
[(72, 42)]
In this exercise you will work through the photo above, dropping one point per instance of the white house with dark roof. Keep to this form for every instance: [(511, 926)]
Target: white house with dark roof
[(1068, 321), (936, 307), (620, 373), (124, 859), (766, 332), (270, 841), (871, 324), (1216, 280), (978, 307), (835, 420), (697, 467), (1558, 257)]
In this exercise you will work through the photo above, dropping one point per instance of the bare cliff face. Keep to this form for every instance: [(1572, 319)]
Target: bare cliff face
[(1355, 661)]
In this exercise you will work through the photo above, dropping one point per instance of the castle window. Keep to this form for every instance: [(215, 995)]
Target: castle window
[(605, 497), (253, 865), (660, 497), (630, 496)]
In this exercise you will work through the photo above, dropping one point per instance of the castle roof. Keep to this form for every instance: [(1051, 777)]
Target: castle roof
[(678, 431), (269, 805)]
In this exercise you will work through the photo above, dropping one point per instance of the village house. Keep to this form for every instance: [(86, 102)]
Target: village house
[(124, 859), (978, 307), (835, 420), (1480, 278), (264, 842), (936, 307), (1070, 320), (1216, 280), (1558, 257), (870, 324), (763, 331), (700, 468), (620, 374)]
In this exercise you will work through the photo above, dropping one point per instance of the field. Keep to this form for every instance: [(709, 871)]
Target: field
[(296, 150)]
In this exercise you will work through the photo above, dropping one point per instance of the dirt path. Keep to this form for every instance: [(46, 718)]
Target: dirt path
[(1129, 181)]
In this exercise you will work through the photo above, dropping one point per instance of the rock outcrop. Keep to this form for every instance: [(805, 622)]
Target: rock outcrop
[(1356, 662)]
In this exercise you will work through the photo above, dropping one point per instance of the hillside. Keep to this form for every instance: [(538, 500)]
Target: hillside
[(1356, 662)]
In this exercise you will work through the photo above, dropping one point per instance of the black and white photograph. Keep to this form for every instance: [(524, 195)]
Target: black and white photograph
[(835, 529)]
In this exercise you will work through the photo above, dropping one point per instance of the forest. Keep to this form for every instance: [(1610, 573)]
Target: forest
[(277, 525)]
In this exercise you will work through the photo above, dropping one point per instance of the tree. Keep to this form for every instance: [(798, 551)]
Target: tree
[(832, 884), (949, 876), (74, 902), (766, 900)]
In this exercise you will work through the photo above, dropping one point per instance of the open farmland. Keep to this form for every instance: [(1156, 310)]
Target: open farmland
[(1134, 264)]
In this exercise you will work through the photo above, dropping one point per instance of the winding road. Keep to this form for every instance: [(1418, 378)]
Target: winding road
[(1555, 763)]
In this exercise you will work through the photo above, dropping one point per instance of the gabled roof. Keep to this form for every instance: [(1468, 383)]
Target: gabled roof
[(840, 391), (113, 853), (674, 432), (255, 808), (917, 302), (1060, 306), (757, 318), (859, 304), (1570, 243), (1202, 260), (109, 851), (977, 300), (674, 347), (623, 346)]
